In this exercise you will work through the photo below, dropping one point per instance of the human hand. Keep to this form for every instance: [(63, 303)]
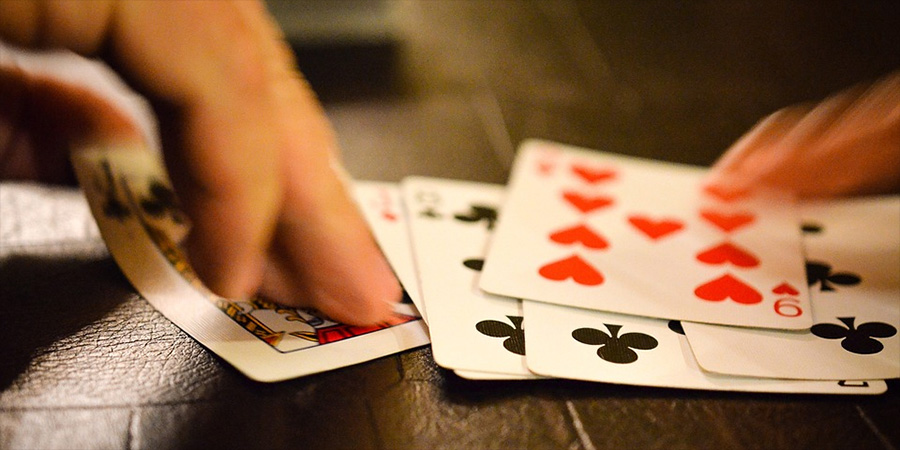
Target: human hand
[(848, 144), (249, 149)]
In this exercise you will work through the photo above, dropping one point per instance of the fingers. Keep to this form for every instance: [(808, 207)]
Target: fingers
[(868, 134), (322, 253), (206, 65), (323, 243), (41, 119), (744, 163), (202, 63), (248, 147), (848, 144)]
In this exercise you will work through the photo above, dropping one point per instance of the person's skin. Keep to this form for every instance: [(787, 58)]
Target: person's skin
[(848, 144), (254, 160), (250, 152)]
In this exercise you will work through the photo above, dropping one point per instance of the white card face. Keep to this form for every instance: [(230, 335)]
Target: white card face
[(129, 196), (610, 233), (382, 207), (451, 222), (853, 251), (596, 346)]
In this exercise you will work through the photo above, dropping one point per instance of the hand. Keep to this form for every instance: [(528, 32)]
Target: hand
[(249, 149), (848, 144)]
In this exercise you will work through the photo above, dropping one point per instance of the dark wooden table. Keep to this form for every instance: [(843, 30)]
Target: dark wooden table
[(86, 363)]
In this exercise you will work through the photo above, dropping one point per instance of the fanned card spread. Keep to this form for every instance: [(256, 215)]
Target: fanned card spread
[(587, 265)]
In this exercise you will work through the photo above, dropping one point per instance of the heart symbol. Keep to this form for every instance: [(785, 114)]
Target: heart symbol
[(655, 229), (726, 195), (587, 204), (592, 175), (572, 267), (727, 222), (545, 167), (785, 288), (579, 233), (727, 252), (728, 286)]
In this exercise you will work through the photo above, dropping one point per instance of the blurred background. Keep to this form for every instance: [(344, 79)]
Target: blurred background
[(676, 81)]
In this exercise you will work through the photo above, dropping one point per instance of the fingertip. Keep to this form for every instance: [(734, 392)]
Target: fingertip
[(726, 184), (368, 300), (359, 315), (720, 175)]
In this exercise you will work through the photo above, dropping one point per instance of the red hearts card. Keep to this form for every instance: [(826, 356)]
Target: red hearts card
[(625, 235), (854, 287)]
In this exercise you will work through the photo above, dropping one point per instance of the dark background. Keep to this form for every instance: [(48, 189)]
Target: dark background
[(450, 92)]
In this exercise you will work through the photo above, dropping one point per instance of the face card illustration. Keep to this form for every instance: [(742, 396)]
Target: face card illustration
[(853, 271), (382, 208), (618, 234), (597, 346), (471, 331), (139, 219)]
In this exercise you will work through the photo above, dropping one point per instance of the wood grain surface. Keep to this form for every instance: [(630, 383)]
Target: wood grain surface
[(86, 363)]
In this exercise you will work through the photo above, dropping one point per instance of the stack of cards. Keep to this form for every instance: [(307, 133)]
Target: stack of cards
[(586, 266), (605, 268)]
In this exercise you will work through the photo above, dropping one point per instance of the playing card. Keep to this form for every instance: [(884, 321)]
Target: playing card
[(597, 346), (138, 217), (382, 208), (619, 234), (450, 223), (853, 271), (491, 376)]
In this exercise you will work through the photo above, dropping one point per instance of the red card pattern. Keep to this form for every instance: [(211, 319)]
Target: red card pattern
[(725, 195), (579, 234), (655, 229), (548, 160), (727, 222), (728, 286), (785, 289), (593, 175), (572, 267), (383, 204), (727, 252), (587, 204)]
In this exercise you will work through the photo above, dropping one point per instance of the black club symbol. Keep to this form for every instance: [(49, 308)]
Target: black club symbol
[(515, 335), (474, 263), (477, 213), (162, 202), (675, 325), (822, 272), (614, 348), (859, 340)]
